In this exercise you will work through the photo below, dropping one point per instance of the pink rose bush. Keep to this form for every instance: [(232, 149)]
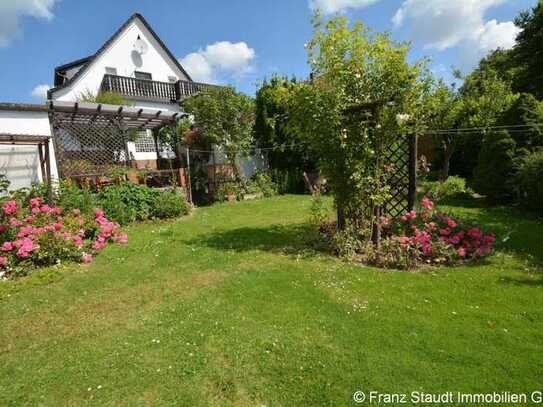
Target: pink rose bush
[(434, 238), (38, 234)]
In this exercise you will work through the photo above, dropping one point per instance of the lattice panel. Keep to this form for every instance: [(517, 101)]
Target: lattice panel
[(88, 144), (396, 157)]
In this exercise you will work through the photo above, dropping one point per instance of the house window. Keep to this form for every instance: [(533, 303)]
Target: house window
[(145, 143), (111, 71), (172, 79), (143, 75)]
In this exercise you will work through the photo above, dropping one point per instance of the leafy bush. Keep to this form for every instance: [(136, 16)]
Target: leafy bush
[(452, 187), (226, 189), (127, 202), (34, 234), (528, 181), (71, 197), (169, 204), (495, 167), (262, 182)]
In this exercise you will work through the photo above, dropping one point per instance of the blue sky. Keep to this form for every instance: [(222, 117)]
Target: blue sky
[(239, 41)]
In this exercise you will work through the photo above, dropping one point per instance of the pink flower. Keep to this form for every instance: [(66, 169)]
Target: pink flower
[(46, 209), (3, 228), (25, 231), (76, 212), (15, 223), (35, 202), (451, 223), (7, 246), (444, 232), (404, 240), (412, 214), (3, 261), (57, 226), (98, 213), (9, 207), (25, 246), (426, 203), (57, 210), (87, 258), (430, 227), (35, 211), (403, 218), (29, 219), (488, 240), (461, 252), (78, 241), (99, 244), (65, 235)]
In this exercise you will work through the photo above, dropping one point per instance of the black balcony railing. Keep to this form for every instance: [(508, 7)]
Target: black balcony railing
[(132, 88)]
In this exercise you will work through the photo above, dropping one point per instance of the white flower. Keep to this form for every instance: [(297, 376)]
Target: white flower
[(402, 118)]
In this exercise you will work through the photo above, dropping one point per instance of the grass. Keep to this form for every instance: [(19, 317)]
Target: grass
[(227, 307)]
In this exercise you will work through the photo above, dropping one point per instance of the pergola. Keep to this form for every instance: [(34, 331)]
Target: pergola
[(91, 137), (42, 143)]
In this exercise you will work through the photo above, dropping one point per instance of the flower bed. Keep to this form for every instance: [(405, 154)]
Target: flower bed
[(35, 234), (414, 238), (433, 237)]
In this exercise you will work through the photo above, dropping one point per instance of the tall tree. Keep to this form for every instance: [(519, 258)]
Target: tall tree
[(226, 118)]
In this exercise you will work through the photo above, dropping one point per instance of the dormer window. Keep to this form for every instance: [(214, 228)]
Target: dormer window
[(111, 71)]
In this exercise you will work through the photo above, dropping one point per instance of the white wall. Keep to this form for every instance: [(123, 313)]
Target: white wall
[(21, 163), (121, 55)]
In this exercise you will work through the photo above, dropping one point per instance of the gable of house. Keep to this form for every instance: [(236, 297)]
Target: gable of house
[(118, 56)]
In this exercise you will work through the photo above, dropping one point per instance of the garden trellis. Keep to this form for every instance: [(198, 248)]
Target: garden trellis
[(91, 139)]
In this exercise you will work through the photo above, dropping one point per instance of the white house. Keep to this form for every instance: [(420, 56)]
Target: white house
[(133, 62)]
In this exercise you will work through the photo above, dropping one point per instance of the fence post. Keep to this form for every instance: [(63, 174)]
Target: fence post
[(189, 183), (412, 193)]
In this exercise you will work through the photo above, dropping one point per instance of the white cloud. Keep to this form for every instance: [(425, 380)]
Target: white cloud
[(497, 35), (219, 59), (40, 92), (334, 6), (443, 24), (12, 10)]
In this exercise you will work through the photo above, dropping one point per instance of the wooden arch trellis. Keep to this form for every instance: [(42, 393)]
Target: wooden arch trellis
[(399, 155)]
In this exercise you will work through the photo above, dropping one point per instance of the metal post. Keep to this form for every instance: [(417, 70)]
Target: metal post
[(412, 194), (189, 183)]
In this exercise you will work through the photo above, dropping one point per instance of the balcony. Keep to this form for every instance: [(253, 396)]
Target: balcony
[(155, 91)]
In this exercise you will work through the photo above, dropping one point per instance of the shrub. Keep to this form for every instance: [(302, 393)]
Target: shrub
[(452, 187), (127, 202), (261, 182), (528, 181), (69, 196), (226, 189), (35, 234), (495, 167), (169, 204)]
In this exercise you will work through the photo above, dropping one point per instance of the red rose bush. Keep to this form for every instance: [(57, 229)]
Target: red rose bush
[(37, 234)]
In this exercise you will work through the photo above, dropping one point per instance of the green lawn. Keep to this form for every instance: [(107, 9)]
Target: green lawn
[(226, 307)]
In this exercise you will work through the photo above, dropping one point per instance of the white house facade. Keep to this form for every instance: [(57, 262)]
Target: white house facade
[(134, 63)]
